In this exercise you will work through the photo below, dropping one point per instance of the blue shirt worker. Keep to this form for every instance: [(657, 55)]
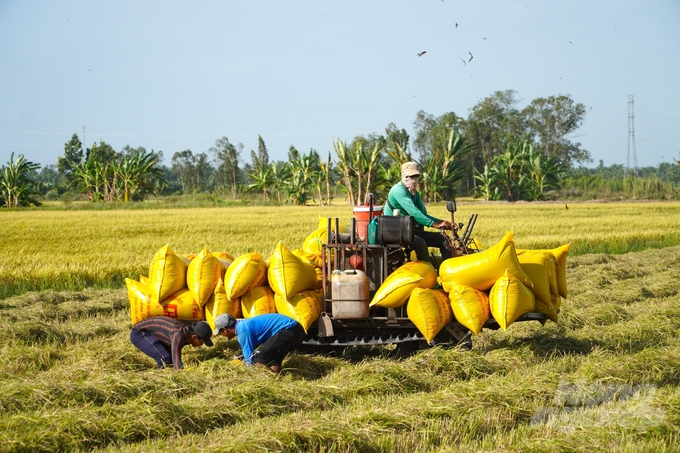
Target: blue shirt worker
[(163, 338), (404, 198), (265, 340)]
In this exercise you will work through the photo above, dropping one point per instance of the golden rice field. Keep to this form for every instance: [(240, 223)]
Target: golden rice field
[(58, 249), (605, 377)]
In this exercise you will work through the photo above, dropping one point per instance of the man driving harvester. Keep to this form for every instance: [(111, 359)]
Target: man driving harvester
[(275, 334), (405, 199)]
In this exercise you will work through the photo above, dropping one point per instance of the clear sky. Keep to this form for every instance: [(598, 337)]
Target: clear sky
[(174, 75)]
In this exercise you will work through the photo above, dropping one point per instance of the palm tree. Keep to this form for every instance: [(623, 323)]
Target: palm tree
[(138, 173), (16, 189), (444, 167), (345, 168), (263, 180), (323, 180)]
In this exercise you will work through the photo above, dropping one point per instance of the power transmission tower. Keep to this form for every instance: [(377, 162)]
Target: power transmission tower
[(84, 147), (631, 155)]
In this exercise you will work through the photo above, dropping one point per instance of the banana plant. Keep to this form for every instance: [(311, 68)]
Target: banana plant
[(444, 168), (345, 167), (16, 189)]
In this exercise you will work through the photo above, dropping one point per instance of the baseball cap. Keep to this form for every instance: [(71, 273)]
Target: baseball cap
[(223, 321), (409, 169), (202, 331)]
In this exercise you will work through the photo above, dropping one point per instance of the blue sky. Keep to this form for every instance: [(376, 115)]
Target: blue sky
[(176, 75)]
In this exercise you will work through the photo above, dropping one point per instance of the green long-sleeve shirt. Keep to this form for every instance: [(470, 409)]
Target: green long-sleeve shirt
[(400, 198)]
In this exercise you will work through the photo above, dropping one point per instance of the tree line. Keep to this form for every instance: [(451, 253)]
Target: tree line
[(499, 152)]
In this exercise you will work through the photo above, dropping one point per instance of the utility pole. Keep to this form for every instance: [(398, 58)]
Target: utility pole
[(84, 147), (631, 155)]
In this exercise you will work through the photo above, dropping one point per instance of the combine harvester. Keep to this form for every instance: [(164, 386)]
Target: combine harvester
[(355, 266)]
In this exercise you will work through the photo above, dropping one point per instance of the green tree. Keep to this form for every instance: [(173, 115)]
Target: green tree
[(324, 180), (262, 153), (444, 168), (398, 141), (16, 188), (493, 122), (545, 172), (487, 188), (345, 168), (227, 158), (302, 169), (101, 152), (262, 174), (73, 156), (551, 120), (193, 170), (431, 133), (138, 173), (47, 180)]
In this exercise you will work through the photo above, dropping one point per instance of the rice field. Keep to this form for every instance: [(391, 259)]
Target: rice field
[(74, 250), (604, 378)]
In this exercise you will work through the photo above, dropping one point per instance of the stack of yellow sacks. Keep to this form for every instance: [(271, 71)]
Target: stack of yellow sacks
[(185, 287), (501, 281), (204, 286)]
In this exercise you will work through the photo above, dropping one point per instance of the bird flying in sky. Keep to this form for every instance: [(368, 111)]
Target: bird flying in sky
[(420, 54)]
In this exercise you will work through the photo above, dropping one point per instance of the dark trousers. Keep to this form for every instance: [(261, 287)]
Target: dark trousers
[(274, 350), (424, 239), (152, 347)]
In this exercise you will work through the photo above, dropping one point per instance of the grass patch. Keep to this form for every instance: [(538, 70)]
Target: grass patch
[(72, 381)]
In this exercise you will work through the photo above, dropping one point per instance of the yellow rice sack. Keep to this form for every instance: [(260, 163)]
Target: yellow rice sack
[(305, 306), (509, 299), (289, 274), (556, 302), (470, 307), (167, 274), (182, 306), (246, 272), (225, 260), (312, 247), (547, 309), (429, 310), (203, 273), (540, 255), (186, 257), (481, 270), (258, 301), (537, 267), (561, 264), (424, 269), (144, 280), (396, 289), (141, 306), (219, 303)]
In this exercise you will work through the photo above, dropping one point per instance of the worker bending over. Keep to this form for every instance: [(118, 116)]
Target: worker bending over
[(265, 340)]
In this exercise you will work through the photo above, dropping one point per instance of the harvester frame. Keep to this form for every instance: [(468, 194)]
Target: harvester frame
[(385, 326)]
